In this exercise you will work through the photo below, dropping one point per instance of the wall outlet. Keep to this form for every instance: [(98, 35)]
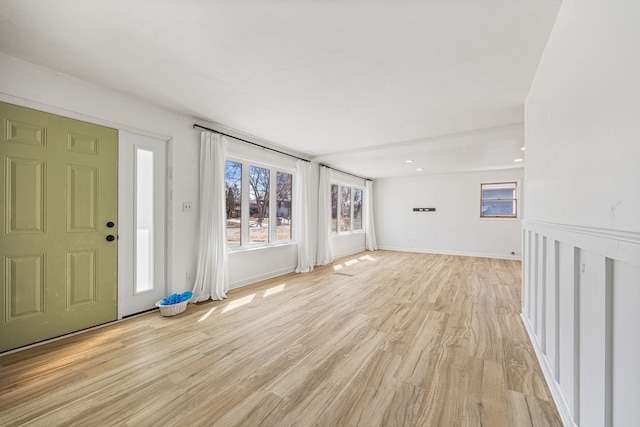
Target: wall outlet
[(187, 206), (188, 278)]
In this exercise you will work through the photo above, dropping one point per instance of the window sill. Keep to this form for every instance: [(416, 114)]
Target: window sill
[(347, 233), (499, 219), (260, 247)]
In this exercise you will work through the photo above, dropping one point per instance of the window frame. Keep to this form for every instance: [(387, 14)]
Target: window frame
[(245, 243), (353, 209), (242, 202), (352, 188), (515, 199)]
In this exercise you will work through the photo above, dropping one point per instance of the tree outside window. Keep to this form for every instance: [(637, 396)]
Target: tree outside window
[(334, 208), (357, 209), (233, 188), (283, 208), (345, 209), (253, 216), (258, 204)]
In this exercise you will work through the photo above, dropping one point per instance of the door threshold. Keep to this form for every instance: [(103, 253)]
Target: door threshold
[(71, 334), (129, 316)]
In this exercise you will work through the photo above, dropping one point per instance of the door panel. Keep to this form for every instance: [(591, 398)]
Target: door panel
[(82, 201), (25, 286), (81, 278), (25, 186), (58, 272)]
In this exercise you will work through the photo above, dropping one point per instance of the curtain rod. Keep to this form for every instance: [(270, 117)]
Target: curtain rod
[(249, 142), (348, 173)]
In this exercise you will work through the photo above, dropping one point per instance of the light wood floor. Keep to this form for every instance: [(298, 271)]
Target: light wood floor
[(377, 339)]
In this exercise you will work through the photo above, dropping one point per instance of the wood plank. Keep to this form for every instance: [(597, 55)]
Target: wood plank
[(376, 339)]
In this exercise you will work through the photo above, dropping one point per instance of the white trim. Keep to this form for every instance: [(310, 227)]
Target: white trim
[(518, 216), (558, 396), (259, 163), (349, 253), (352, 187), (262, 246), (346, 233), (629, 236), (344, 183), (52, 109), (446, 252), (246, 164), (615, 244), (130, 301), (608, 246), (497, 218), (346, 179)]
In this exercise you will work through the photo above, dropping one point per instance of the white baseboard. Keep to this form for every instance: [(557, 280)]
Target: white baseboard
[(254, 279), (348, 253), (558, 396), (448, 252)]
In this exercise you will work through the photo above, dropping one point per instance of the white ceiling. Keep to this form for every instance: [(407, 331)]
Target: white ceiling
[(360, 85)]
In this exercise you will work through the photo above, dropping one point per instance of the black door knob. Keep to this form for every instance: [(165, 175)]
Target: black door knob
[(110, 238), (110, 224)]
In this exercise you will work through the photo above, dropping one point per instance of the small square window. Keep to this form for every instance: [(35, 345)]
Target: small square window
[(499, 200)]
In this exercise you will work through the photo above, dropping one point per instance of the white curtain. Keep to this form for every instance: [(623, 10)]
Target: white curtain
[(325, 241), (212, 275), (369, 225), (302, 212)]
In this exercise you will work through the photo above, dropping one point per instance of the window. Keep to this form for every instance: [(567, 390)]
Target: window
[(144, 220), (499, 200), (357, 209), (283, 208), (233, 188), (253, 216), (258, 205), (346, 209), (334, 208)]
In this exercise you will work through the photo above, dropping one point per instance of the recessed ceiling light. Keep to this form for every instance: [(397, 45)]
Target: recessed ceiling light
[(419, 169), (523, 148), (519, 160), (408, 161)]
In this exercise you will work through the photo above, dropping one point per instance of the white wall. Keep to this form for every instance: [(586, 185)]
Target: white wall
[(582, 129), (36, 87), (29, 85), (581, 261), (32, 86), (455, 227)]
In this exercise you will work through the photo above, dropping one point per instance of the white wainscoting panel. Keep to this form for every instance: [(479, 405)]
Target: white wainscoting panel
[(550, 343), (581, 308), (626, 344)]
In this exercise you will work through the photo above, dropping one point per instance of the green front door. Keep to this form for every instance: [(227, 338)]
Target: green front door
[(58, 267)]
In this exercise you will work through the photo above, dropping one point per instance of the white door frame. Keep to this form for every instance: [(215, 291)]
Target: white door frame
[(123, 129), (129, 301)]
